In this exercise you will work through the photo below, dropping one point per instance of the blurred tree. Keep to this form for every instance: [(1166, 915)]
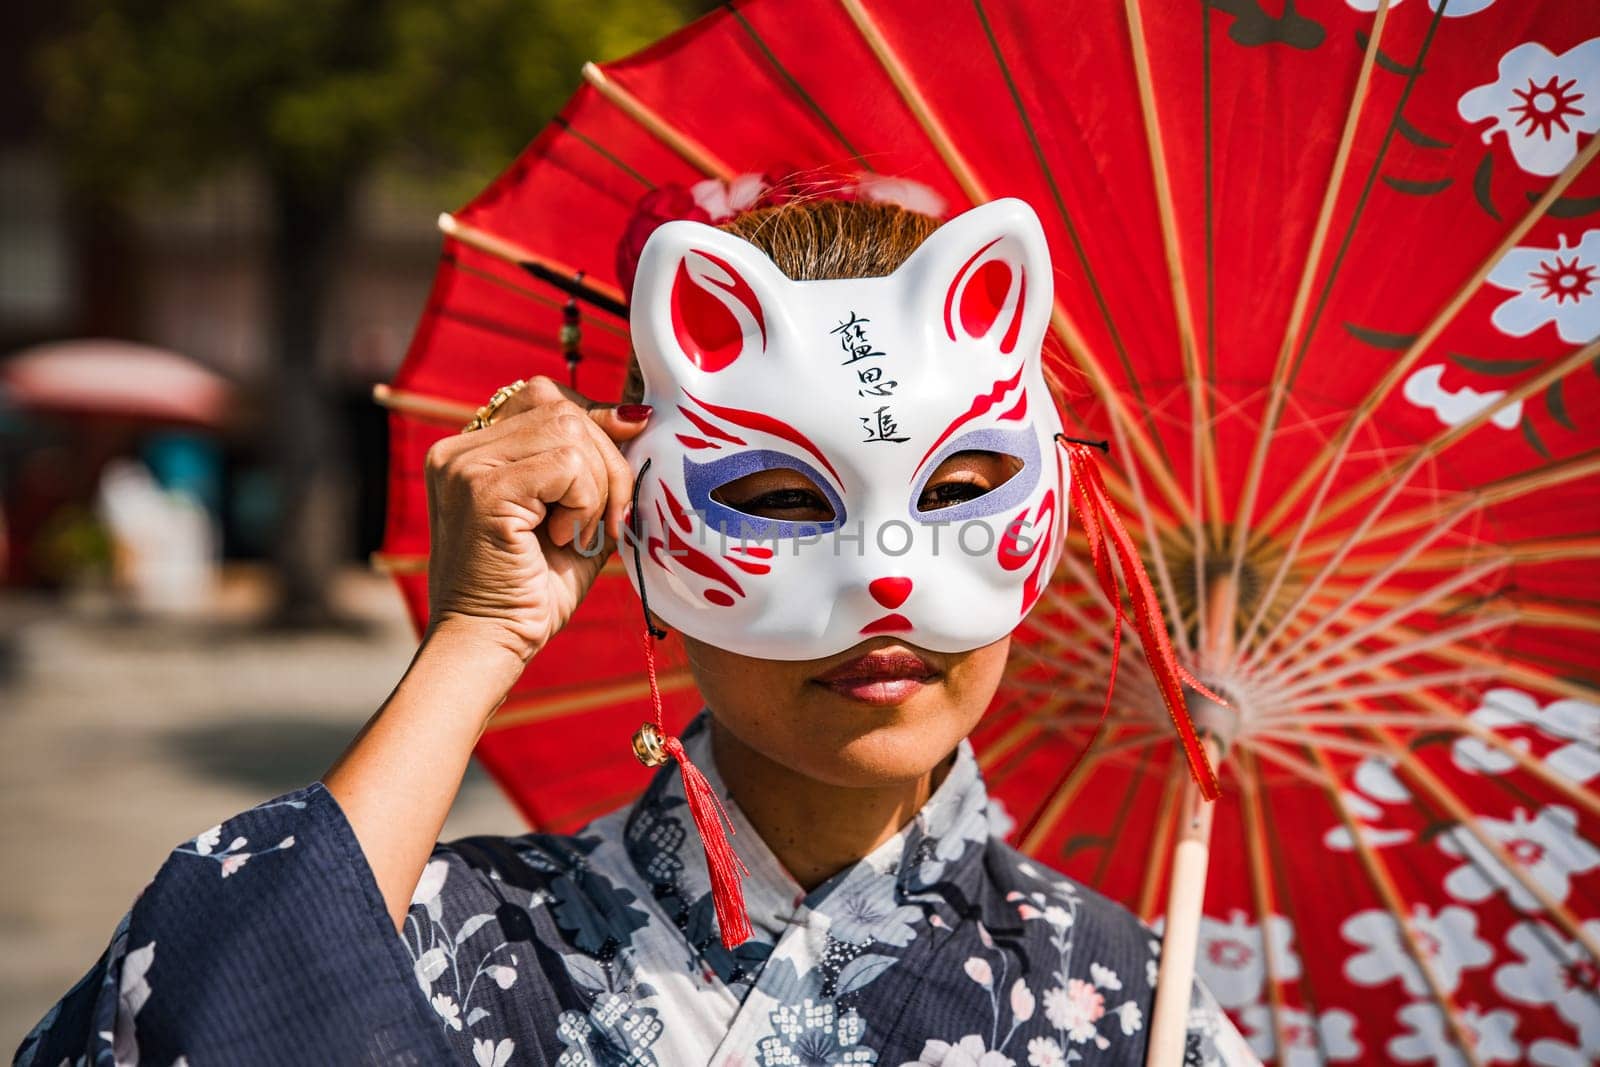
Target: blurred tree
[(157, 94)]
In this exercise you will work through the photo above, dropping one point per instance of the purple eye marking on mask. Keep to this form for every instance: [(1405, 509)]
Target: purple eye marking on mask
[(702, 479), (1019, 444)]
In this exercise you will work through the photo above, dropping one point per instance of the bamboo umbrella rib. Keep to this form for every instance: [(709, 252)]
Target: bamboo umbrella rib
[(1160, 848), (1382, 882), (1322, 693), (503, 248), (586, 317), (1326, 742), (1415, 720), (1533, 765), (1574, 361), (1507, 670), (1207, 489), (1435, 714), (1560, 472), (1261, 891), (1398, 563), (424, 406), (1124, 428), (1279, 392), (1062, 795), (524, 710), (1280, 666), (1328, 461), (687, 148), (912, 96), (1273, 752), (1546, 550), (1422, 775), (1535, 614), (1341, 443), (397, 564)]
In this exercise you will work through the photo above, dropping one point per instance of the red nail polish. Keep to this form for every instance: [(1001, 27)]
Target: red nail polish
[(634, 412)]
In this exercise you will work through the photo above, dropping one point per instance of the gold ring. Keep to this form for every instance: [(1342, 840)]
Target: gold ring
[(487, 413)]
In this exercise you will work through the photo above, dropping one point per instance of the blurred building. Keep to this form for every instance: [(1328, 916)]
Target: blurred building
[(187, 273)]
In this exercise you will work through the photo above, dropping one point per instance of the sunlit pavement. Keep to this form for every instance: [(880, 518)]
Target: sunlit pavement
[(119, 739)]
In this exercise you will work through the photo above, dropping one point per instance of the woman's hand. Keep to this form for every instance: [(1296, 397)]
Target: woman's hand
[(517, 512)]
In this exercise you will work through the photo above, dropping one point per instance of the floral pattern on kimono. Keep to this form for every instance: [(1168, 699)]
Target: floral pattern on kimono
[(942, 947)]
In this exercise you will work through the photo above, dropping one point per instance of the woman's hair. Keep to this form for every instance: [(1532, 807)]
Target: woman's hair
[(818, 240)]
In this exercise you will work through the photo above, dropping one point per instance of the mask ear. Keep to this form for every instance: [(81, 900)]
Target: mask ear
[(702, 300), (987, 277)]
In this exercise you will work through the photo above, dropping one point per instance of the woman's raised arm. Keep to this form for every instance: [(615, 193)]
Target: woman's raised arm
[(509, 507)]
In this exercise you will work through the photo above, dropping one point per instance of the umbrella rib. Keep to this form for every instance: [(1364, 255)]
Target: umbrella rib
[(1572, 468), (1279, 392), (1574, 361), (1153, 455), (1280, 667), (1423, 775), (1506, 669), (1261, 890), (519, 711), (1534, 613), (1399, 562), (1161, 848), (794, 84), (602, 151), (1329, 468), (424, 406), (1550, 550), (1382, 882), (1206, 486), (1065, 791), (1328, 461), (510, 286), (602, 294), (1310, 696), (687, 148)]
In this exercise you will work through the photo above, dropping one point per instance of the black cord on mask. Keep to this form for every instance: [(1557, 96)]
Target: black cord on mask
[(635, 527)]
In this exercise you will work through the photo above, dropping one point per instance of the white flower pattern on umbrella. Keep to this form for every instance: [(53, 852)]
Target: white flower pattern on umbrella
[(1457, 9), (1448, 939), (1573, 721), (1231, 958), (1551, 970), (1547, 846), (1541, 102), (1307, 1038), (1426, 1037), (1559, 285), (1425, 389)]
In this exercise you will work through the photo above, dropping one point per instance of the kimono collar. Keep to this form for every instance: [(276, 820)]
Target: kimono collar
[(935, 856)]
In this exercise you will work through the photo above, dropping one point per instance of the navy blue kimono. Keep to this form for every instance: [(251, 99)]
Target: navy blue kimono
[(265, 940)]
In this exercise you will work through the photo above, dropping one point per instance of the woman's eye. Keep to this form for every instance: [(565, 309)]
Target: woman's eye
[(786, 500), (947, 494), (966, 476), (776, 494)]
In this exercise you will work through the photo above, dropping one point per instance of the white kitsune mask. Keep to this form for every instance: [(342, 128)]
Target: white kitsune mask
[(865, 386)]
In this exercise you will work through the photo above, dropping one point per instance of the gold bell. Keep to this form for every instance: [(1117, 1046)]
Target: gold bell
[(650, 746)]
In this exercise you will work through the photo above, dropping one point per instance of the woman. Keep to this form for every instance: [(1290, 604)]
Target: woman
[(816, 371)]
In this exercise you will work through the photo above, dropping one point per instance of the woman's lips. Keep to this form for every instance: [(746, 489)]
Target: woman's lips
[(882, 676)]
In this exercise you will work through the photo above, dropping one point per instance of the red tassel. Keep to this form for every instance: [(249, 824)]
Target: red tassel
[(711, 820), (727, 869), (1101, 525)]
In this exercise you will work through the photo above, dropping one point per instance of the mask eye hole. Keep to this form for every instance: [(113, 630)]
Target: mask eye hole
[(964, 476), (780, 494)]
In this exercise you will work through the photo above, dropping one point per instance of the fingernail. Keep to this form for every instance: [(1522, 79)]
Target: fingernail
[(634, 412)]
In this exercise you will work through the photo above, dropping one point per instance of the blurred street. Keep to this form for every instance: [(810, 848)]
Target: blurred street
[(119, 740)]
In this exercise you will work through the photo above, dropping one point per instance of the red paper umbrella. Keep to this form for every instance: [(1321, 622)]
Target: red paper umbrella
[(1329, 281)]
